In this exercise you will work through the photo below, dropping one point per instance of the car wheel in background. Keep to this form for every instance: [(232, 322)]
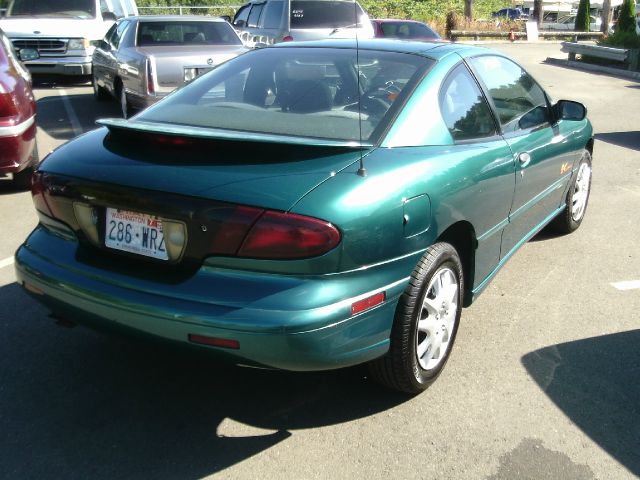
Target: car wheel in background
[(99, 93), (125, 108), (425, 323), (577, 198)]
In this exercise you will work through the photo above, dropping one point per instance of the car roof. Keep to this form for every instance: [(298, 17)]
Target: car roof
[(175, 18), (435, 50)]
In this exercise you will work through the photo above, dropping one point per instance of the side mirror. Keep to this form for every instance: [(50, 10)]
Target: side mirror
[(226, 18), (239, 23), (27, 54), (109, 17), (569, 110)]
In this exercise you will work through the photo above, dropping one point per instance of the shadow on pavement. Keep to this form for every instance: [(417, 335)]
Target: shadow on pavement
[(595, 382), (78, 404), (622, 139), (54, 117)]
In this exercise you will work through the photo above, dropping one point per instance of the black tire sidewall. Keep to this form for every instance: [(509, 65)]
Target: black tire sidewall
[(446, 257), (572, 224)]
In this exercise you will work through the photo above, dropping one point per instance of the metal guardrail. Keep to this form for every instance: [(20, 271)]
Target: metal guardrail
[(478, 34), (628, 56)]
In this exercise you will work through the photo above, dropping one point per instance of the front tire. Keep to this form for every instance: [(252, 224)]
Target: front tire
[(425, 323), (99, 93), (577, 198)]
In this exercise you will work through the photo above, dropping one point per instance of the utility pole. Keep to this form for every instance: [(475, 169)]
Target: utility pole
[(606, 16), (468, 9), (537, 12)]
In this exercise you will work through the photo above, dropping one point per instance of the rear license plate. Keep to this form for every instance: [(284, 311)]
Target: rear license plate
[(135, 232)]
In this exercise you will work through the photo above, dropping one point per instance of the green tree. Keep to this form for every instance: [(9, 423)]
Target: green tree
[(627, 17), (583, 18)]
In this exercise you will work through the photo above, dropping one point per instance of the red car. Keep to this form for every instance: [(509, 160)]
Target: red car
[(18, 152), (403, 30)]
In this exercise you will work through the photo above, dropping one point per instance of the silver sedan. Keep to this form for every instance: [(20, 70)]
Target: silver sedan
[(142, 59)]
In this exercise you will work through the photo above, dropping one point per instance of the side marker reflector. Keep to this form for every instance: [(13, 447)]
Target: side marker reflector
[(367, 303), (214, 342)]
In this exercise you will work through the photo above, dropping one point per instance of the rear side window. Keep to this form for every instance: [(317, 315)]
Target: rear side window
[(519, 101), (464, 108), (242, 16), (254, 16), (186, 33), (273, 15), (325, 14)]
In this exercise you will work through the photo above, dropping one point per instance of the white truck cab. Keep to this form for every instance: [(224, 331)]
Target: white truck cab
[(64, 32)]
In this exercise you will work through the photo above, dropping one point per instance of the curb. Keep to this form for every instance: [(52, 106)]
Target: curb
[(593, 68)]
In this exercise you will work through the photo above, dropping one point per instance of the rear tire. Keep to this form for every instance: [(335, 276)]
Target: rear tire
[(125, 108), (425, 323), (577, 198)]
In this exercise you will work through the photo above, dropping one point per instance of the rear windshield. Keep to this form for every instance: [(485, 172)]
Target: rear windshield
[(304, 92), (407, 30), (325, 14), (186, 33), (53, 8)]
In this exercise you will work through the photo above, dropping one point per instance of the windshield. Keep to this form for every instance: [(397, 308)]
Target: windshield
[(53, 8), (324, 14), (293, 91), (186, 33)]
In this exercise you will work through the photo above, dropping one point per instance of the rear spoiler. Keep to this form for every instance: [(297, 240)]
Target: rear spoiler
[(121, 125)]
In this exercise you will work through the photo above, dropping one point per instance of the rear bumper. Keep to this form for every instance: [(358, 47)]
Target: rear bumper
[(60, 65), (285, 322), (16, 144)]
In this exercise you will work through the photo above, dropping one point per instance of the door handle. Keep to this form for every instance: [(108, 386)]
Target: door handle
[(524, 158)]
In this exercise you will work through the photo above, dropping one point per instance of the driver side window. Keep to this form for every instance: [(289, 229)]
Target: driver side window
[(519, 101)]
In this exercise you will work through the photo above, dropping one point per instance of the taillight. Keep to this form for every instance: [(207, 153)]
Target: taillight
[(281, 235), (8, 109), (288, 38), (150, 86)]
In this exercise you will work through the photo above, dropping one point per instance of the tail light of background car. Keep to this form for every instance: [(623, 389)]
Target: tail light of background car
[(151, 89), (8, 109)]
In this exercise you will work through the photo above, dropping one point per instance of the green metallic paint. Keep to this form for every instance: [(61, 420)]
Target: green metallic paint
[(419, 186)]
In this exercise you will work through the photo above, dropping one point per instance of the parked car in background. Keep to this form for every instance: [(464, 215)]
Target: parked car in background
[(274, 21), (310, 205), (142, 59), (511, 14), (18, 151), (569, 23), (63, 32), (403, 29)]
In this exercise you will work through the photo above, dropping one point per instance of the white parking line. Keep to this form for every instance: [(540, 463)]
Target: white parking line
[(6, 262), (628, 285), (73, 118)]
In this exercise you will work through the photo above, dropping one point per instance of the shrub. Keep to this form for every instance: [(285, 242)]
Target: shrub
[(627, 17), (583, 18), (622, 39)]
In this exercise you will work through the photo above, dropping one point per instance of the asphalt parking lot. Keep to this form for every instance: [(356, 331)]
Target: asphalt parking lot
[(543, 382)]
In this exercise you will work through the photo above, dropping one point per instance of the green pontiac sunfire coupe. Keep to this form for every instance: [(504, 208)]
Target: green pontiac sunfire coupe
[(310, 205)]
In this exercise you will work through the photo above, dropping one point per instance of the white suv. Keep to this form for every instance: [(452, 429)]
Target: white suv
[(273, 21), (64, 32)]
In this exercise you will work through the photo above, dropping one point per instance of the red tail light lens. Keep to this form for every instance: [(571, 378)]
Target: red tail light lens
[(288, 38), (280, 235)]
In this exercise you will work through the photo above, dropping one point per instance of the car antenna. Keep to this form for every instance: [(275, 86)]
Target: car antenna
[(361, 171)]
